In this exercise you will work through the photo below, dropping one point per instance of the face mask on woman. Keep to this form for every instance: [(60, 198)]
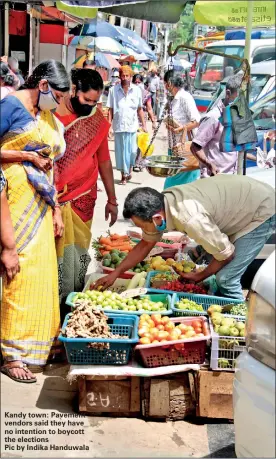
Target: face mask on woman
[(81, 109), (47, 100)]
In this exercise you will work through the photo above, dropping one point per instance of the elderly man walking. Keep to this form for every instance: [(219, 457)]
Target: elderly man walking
[(125, 105)]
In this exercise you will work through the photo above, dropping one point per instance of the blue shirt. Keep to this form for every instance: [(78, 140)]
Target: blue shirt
[(125, 106), (14, 115)]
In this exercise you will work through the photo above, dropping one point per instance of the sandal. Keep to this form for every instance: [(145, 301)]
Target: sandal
[(136, 169), (123, 182), (128, 177), (6, 370)]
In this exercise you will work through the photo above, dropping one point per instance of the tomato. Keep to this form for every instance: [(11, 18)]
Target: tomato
[(163, 335), (179, 347), (173, 336), (182, 327), (154, 332), (197, 323), (144, 340), (142, 331), (190, 334), (160, 327), (198, 330), (155, 342), (200, 335), (169, 326), (165, 320), (150, 323), (157, 319), (177, 331), (145, 317), (182, 337)]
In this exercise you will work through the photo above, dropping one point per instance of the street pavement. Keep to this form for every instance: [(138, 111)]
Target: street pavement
[(52, 397)]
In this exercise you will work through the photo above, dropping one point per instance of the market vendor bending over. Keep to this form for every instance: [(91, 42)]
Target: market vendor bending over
[(231, 216)]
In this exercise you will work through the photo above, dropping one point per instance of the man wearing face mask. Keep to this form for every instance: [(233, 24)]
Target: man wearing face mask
[(206, 142), (76, 173), (231, 216)]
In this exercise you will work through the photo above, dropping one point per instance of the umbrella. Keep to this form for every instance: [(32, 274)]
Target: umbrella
[(137, 42), (103, 29), (137, 56), (102, 44), (102, 60)]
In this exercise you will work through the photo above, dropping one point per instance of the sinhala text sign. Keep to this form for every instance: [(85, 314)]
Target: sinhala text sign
[(234, 13)]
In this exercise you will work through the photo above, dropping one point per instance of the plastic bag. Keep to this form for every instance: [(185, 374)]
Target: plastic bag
[(143, 140)]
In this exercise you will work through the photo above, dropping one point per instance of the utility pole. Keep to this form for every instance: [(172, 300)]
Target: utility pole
[(6, 32)]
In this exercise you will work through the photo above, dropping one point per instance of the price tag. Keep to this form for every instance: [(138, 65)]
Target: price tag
[(133, 292)]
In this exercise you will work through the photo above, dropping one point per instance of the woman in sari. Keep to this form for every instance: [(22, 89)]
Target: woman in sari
[(31, 139), (76, 174)]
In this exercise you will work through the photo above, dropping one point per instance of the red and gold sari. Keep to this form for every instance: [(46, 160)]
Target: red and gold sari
[(76, 175)]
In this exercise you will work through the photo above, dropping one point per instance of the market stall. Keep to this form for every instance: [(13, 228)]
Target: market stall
[(152, 345)]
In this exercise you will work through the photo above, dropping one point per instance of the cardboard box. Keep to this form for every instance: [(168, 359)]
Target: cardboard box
[(215, 394)]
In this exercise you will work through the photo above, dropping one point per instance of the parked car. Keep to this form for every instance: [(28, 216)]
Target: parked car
[(254, 383), (212, 69), (262, 79)]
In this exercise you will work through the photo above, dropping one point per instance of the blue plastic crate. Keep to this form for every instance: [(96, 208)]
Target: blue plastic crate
[(119, 352), (205, 300), (154, 295)]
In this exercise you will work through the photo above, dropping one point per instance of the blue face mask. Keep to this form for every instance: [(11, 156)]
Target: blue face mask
[(161, 227)]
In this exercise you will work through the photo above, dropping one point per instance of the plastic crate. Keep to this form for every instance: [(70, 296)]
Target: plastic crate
[(225, 347), (119, 352), (182, 351), (205, 300), (153, 295), (148, 279)]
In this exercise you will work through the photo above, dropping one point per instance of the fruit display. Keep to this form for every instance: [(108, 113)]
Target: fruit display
[(156, 329), (171, 282), (109, 301), (189, 305), (227, 326)]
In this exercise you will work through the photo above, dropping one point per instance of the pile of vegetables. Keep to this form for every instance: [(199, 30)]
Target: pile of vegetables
[(112, 301), (188, 305), (156, 329), (111, 244)]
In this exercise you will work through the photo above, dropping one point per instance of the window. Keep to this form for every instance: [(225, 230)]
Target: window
[(264, 116), (213, 69), (258, 82), (263, 54)]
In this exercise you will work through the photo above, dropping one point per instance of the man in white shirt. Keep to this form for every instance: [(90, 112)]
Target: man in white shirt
[(153, 88), (125, 105)]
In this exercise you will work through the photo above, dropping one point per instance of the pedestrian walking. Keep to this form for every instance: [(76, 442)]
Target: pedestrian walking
[(161, 98), (125, 106), (76, 175), (185, 116), (153, 87)]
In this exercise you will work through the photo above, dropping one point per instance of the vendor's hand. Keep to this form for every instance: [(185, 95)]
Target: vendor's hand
[(44, 164), (177, 130), (111, 133), (145, 129), (4, 59), (10, 262), (194, 277), (58, 223), (112, 211), (104, 282), (154, 125), (213, 169)]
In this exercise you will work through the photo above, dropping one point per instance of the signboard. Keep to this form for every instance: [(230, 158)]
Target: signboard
[(19, 55), (234, 13)]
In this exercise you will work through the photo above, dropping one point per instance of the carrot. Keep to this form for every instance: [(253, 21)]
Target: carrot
[(117, 237), (105, 241), (107, 248), (104, 252)]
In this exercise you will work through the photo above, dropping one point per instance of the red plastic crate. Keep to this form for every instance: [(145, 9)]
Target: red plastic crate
[(163, 354)]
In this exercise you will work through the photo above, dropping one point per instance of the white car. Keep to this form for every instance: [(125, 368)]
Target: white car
[(254, 383)]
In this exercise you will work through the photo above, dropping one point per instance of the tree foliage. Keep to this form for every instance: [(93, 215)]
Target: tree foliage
[(183, 33)]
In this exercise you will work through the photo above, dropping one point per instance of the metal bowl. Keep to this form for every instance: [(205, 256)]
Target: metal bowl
[(164, 165)]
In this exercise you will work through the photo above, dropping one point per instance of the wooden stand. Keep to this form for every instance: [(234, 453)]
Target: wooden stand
[(215, 394), (167, 397), (115, 396)]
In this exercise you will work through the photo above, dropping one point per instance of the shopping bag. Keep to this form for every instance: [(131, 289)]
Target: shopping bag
[(143, 141)]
